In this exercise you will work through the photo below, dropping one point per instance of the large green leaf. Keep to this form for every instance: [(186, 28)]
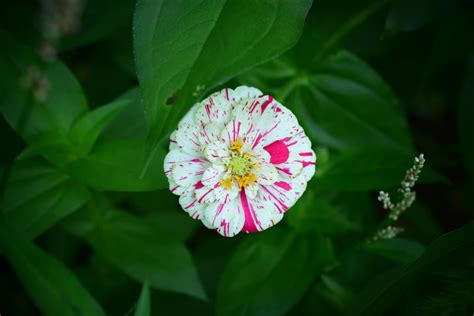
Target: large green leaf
[(143, 252), (381, 296), (117, 165), (51, 285), (345, 104), (270, 272), (37, 196), (182, 46)]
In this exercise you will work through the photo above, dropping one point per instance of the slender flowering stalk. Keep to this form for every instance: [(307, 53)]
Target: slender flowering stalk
[(408, 197), (388, 232), (239, 160)]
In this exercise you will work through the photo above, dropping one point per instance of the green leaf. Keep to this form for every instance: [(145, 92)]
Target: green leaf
[(37, 196), (313, 214), (175, 222), (396, 249), (269, 273), (116, 166), (345, 104), (39, 98), (382, 295), (143, 305), (181, 46), (87, 129), (52, 286), (145, 253), (168, 38), (130, 123), (334, 292), (368, 169)]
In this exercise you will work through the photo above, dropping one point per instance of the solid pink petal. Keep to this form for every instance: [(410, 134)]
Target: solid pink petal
[(278, 151)]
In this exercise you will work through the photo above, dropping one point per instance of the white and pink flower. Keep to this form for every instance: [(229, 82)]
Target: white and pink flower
[(239, 160)]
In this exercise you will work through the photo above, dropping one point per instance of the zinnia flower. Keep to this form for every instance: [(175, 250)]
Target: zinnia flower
[(239, 160)]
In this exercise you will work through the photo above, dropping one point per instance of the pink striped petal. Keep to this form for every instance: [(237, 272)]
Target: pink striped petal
[(283, 194), (226, 217), (215, 109), (217, 151), (260, 214), (267, 174), (213, 175), (187, 138), (188, 202)]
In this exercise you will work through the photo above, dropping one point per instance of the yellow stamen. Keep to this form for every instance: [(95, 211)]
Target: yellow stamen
[(226, 183), (248, 179), (237, 145)]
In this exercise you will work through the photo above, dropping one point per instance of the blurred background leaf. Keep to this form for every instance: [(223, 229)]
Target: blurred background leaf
[(55, 289), (372, 82)]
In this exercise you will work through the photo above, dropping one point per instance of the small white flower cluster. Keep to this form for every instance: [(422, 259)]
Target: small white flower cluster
[(388, 232), (408, 197)]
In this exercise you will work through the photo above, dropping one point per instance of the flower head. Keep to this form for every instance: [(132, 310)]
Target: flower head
[(239, 160)]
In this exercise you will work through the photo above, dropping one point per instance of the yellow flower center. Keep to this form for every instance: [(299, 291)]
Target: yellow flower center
[(240, 167)]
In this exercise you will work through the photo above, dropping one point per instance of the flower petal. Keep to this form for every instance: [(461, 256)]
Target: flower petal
[(190, 205), (217, 151), (209, 134), (267, 174), (184, 169), (213, 175), (187, 139), (283, 194), (215, 109), (226, 217), (259, 214)]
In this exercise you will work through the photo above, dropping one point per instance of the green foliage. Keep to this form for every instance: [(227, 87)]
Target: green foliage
[(37, 196), (143, 305), (367, 112), (269, 274), (456, 245), (53, 287), (89, 95), (182, 50), (139, 249)]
